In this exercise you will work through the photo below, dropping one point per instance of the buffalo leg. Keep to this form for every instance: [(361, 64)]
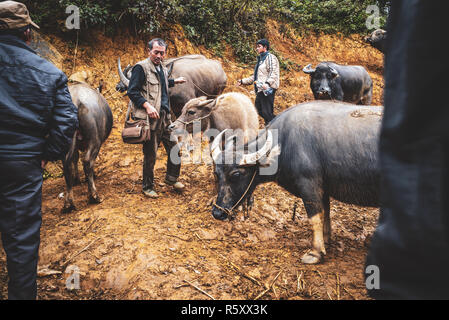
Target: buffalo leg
[(367, 97), (88, 166), (327, 220), (314, 255), (76, 178), (315, 207), (69, 178)]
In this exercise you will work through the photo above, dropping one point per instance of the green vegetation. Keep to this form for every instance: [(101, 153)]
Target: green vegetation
[(211, 22)]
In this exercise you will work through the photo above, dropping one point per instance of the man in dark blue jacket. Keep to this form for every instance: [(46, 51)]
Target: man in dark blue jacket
[(37, 123)]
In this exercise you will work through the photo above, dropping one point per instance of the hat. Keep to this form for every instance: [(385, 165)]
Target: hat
[(264, 42), (14, 15)]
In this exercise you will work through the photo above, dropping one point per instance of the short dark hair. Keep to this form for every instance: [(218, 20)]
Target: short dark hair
[(264, 42), (159, 41), (18, 32)]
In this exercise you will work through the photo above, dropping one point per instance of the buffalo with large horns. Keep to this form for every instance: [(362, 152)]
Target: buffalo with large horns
[(315, 150), (331, 81), (205, 77)]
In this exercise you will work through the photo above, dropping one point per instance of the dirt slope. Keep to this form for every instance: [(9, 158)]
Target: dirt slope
[(130, 247)]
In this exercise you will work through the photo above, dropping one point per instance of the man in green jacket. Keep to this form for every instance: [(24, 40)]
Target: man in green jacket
[(148, 91)]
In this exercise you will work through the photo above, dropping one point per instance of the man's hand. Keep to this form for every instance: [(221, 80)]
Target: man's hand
[(238, 83), (265, 86), (43, 163), (151, 111), (180, 80)]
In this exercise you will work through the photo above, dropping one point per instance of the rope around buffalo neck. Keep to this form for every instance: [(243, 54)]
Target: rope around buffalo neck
[(194, 120), (230, 212), (207, 94), (216, 95)]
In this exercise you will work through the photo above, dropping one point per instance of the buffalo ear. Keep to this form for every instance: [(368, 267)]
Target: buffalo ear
[(308, 69), (209, 103), (334, 72)]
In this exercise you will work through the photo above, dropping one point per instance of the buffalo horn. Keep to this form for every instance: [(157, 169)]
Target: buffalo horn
[(170, 68), (333, 71), (122, 76), (308, 69), (252, 158)]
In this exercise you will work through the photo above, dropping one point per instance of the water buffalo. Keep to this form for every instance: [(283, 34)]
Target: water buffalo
[(231, 110), (378, 39), (344, 83), (205, 77), (315, 150), (95, 124)]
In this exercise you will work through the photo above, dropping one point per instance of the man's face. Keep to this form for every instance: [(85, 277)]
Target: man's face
[(27, 36), (260, 49), (157, 54)]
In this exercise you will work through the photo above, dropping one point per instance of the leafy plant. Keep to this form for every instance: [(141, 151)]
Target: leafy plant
[(211, 22)]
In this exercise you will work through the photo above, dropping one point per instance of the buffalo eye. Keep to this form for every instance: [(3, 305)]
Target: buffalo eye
[(234, 176), (192, 112)]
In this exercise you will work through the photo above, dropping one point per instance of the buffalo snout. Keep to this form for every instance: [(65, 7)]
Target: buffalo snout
[(219, 214), (324, 93)]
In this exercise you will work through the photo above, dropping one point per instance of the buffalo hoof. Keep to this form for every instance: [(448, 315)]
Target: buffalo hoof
[(311, 257), (68, 207), (95, 199)]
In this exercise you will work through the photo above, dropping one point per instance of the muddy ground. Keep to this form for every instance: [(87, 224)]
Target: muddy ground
[(131, 247)]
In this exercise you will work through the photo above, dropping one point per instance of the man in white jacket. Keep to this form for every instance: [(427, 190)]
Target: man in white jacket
[(265, 80)]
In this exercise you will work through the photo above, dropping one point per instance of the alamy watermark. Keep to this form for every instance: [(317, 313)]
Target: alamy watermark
[(373, 20), (73, 20), (234, 148), (372, 280), (73, 280)]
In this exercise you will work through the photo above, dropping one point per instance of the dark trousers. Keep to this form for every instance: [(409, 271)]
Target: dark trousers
[(264, 105), (150, 152), (411, 244), (20, 222)]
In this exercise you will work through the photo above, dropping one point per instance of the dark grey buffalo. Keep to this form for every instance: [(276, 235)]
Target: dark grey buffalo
[(378, 39), (315, 150), (331, 81), (95, 124), (205, 77)]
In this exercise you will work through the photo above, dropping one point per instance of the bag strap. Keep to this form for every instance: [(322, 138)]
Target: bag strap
[(127, 113)]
